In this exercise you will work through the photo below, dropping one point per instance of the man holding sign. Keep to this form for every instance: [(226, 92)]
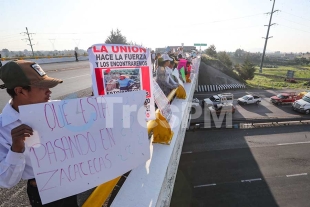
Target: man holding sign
[(26, 83)]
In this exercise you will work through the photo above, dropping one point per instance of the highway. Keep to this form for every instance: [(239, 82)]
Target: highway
[(76, 77), (261, 111), (252, 167)]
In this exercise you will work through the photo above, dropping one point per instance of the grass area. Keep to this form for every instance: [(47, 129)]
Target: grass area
[(300, 71), (278, 83), (275, 83)]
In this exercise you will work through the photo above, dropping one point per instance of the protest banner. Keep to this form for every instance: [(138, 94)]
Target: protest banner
[(162, 102), (119, 68), (176, 74), (182, 71), (81, 143)]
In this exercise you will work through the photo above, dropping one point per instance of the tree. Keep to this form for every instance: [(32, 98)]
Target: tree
[(224, 58), (239, 52), (116, 37), (134, 43), (247, 69), (211, 51)]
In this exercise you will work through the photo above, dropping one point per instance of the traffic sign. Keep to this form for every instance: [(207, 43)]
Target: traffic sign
[(290, 74), (200, 44)]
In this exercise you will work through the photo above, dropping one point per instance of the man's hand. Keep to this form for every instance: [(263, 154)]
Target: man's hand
[(19, 135)]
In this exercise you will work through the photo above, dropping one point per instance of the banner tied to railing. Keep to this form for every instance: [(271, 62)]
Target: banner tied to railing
[(119, 68)]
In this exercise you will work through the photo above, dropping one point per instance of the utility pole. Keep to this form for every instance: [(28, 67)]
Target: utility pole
[(28, 39), (52, 41), (267, 36)]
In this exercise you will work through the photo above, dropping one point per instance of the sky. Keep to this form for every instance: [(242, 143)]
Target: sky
[(228, 24)]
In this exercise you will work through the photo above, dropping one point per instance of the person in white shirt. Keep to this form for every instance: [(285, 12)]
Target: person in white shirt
[(26, 83), (162, 77), (169, 70)]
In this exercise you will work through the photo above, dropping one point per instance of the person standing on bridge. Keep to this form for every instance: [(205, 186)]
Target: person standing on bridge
[(26, 83), (76, 56), (162, 77)]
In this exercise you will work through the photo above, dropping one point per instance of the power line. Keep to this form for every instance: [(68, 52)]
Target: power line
[(294, 22), (296, 16), (71, 33), (216, 21), (9, 36), (227, 29), (295, 28), (8, 41), (225, 20)]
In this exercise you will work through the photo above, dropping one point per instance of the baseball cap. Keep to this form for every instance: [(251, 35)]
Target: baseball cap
[(25, 73), (166, 57)]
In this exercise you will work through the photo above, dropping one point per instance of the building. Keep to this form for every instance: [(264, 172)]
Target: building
[(185, 48)]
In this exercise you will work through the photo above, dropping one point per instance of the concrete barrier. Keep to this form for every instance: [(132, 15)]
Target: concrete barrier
[(152, 184), (53, 60)]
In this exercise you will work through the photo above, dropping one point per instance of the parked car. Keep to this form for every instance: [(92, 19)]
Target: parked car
[(249, 99), (284, 98), (219, 98), (195, 104), (302, 105), (218, 108)]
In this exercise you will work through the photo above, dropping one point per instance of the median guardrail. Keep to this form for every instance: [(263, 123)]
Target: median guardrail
[(236, 122), (49, 60)]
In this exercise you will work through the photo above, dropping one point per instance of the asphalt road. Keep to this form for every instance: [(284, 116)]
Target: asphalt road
[(263, 110), (253, 167), (76, 77)]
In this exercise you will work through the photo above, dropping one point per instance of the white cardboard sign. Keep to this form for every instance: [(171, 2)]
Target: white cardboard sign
[(81, 143), (175, 73)]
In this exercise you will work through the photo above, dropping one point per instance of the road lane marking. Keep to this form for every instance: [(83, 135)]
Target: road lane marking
[(294, 175), (187, 152), (206, 185), (251, 180), (294, 143), (75, 77)]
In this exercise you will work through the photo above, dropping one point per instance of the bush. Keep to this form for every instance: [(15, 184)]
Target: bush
[(246, 70), (224, 58)]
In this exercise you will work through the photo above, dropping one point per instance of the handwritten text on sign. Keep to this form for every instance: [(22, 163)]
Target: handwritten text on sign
[(81, 143)]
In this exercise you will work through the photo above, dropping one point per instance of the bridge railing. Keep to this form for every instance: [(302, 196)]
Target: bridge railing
[(152, 184)]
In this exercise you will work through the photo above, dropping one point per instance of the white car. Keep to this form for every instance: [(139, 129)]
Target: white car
[(195, 102), (249, 99), (302, 105), (219, 98)]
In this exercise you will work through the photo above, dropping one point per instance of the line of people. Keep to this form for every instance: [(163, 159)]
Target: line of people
[(164, 65)]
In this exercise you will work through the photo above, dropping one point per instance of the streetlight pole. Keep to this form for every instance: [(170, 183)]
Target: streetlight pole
[(267, 36)]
